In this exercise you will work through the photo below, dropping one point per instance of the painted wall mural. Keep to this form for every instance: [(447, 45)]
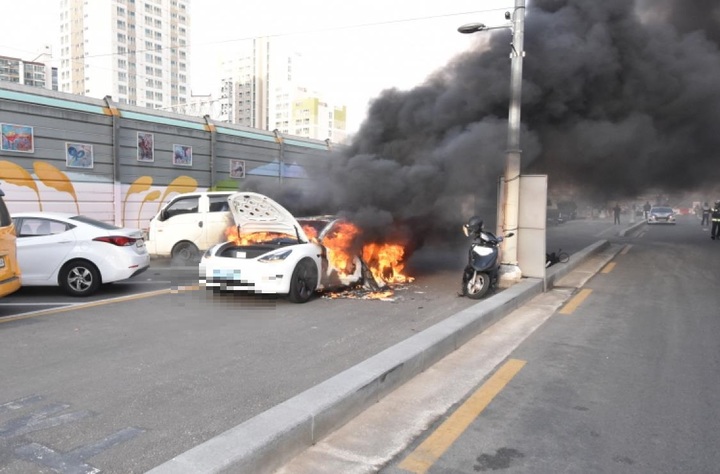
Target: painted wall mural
[(52, 185)]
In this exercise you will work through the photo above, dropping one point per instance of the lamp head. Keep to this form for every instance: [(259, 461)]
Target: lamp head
[(472, 28)]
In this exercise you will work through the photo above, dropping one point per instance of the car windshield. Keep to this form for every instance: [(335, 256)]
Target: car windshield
[(94, 222), (662, 209)]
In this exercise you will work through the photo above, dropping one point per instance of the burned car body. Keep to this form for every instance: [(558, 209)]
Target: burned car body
[(272, 253)]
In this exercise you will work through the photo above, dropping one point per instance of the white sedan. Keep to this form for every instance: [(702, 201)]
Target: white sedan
[(272, 254), (76, 252)]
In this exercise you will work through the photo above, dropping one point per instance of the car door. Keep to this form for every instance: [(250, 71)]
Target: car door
[(179, 220), (42, 246), (217, 220)]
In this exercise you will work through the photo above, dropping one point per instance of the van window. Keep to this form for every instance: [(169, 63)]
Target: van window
[(219, 204), (186, 205)]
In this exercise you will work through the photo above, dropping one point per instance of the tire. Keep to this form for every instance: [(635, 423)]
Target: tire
[(563, 257), (304, 281), (79, 278), (477, 285), (185, 252)]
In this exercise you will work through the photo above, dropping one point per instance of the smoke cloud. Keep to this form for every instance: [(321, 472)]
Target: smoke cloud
[(617, 99)]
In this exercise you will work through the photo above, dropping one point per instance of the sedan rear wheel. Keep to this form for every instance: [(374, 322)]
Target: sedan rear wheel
[(304, 281), (79, 278)]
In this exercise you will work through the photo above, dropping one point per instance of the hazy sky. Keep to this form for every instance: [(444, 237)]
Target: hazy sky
[(354, 48)]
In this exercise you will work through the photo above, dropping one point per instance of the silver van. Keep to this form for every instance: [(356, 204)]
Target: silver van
[(189, 224)]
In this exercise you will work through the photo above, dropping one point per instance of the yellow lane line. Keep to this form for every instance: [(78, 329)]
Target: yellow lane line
[(92, 304), (626, 249), (425, 455), (608, 268), (575, 301)]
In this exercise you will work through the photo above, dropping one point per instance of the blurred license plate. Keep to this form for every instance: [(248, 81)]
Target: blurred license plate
[(2, 262)]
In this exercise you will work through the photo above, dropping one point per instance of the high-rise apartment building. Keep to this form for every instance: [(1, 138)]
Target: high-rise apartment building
[(265, 85), (30, 73), (133, 50)]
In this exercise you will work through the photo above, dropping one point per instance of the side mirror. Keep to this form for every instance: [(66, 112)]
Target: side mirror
[(163, 215)]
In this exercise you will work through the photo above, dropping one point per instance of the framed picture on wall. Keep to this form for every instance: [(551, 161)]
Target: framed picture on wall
[(79, 155), (237, 168), (145, 147), (17, 138), (182, 155)]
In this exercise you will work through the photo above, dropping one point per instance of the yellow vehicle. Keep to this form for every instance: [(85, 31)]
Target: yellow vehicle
[(9, 268)]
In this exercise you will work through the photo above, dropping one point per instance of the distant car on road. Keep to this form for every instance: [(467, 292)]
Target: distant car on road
[(661, 215), (76, 252)]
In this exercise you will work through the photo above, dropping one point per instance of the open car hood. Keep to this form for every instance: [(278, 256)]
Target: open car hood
[(255, 212)]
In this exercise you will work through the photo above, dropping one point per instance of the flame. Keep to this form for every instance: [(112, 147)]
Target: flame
[(386, 262), (339, 244), (254, 238)]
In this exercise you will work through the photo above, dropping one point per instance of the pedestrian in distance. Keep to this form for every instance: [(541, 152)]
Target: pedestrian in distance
[(616, 213), (646, 209), (705, 214), (715, 217)]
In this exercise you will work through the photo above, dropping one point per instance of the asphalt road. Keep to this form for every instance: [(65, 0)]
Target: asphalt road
[(122, 385), (623, 381)]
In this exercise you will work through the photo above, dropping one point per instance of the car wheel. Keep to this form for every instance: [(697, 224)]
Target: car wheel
[(304, 281), (476, 286), (79, 278), (185, 252)]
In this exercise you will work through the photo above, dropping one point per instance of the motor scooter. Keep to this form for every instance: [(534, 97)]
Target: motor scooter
[(483, 267)]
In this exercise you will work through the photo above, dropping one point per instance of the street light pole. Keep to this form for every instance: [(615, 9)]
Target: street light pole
[(510, 271), (511, 191)]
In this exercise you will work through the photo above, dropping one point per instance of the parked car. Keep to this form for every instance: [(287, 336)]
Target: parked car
[(188, 225), (9, 268), (277, 256), (76, 252), (661, 215), (567, 210)]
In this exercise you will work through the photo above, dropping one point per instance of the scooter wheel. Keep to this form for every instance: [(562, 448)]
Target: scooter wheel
[(476, 286)]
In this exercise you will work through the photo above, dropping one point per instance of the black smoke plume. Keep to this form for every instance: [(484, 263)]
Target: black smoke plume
[(618, 98)]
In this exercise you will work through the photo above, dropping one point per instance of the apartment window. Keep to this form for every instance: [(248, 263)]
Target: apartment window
[(149, 45), (158, 36), (148, 21), (158, 72), (158, 84), (148, 32), (122, 64), (122, 76), (121, 38), (158, 96), (122, 50), (149, 95), (122, 89), (149, 57), (121, 11), (121, 24), (158, 23)]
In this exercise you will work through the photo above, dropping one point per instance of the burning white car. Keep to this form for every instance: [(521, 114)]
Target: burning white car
[(270, 252)]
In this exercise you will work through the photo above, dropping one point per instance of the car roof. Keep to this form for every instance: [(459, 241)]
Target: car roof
[(45, 214)]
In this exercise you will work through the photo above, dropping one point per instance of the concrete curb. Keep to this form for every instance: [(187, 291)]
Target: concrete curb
[(631, 228), (269, 440)]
